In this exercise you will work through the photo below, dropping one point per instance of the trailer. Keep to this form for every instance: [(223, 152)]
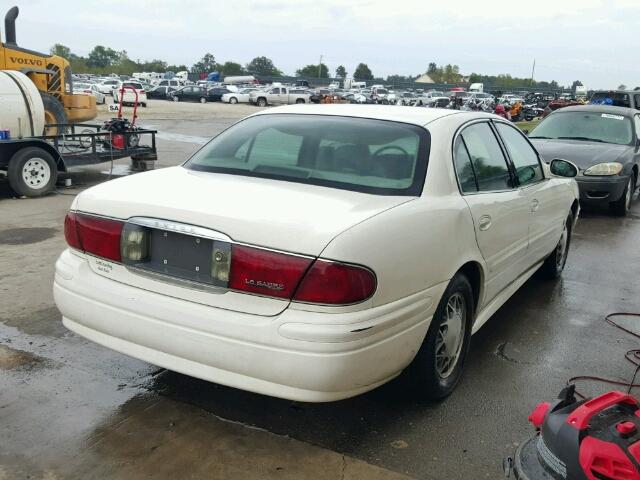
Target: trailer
[(32, 163)]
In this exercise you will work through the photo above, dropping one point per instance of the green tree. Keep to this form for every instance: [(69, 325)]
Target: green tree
[(311, 71), (432, 68), (231, 68), (622, 86), (363, 72), (263, 66), (341, 72), (177, 68), (102, 57), (154, 65), (61, 51), (206, 65)]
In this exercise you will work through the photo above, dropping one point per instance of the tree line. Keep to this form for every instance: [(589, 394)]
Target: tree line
[(104, 60)]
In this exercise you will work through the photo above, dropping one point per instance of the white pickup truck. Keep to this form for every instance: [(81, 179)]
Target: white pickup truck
[(279, 96)]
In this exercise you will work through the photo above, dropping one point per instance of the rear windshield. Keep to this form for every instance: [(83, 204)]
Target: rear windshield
[(359, 154), (617, 99)]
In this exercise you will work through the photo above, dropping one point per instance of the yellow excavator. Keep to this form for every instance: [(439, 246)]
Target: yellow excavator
[(51, 75)]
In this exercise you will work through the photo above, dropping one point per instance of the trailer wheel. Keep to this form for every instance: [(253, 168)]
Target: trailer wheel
[(53, 113), (32, 172)]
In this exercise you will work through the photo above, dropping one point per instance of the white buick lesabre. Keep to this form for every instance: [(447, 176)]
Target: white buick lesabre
[(315, 252)]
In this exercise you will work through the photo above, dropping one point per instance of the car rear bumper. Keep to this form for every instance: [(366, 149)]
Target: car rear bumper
[(601, 190), (298, 355)]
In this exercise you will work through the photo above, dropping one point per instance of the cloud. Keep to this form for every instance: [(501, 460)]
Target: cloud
[(572, 39)]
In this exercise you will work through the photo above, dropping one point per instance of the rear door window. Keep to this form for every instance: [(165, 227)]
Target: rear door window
[(464, 168), (487, 159)]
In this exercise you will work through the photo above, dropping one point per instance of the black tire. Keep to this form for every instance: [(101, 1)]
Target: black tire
[(262, 102), (144, 105), (203, 100), (424, 373), (622, 206), (33, 159), (53, 113), (300, 100), (175, 98), (553, 266), (233, 100)]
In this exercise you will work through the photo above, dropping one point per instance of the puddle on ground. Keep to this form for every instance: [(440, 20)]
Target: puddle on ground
[(47, 322), (11, 358), (22, 236)]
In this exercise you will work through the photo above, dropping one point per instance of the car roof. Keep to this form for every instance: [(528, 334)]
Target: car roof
[(416, 116), (624, 111)]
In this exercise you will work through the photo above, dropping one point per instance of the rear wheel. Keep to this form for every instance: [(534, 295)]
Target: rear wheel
[(554, 264), (32, 172), (203, 100), (176, 98), (54, 113), (233, 100), (300, 100), (437, 368), (622, 206)]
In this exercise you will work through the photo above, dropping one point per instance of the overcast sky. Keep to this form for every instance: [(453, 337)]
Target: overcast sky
[(595, 41)]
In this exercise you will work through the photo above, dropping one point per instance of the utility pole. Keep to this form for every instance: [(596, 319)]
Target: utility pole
[(533, 71), (320, 67)]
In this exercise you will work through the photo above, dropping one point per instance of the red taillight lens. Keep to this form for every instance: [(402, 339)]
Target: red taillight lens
[(264, 272), (94, 235), (141, 92), (71, 231), (333, 283)]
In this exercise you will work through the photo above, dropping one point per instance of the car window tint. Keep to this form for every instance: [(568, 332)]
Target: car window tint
[(487, 158), (523, 156), (464, 169), (361, 154), (275, 90), (273, 147)]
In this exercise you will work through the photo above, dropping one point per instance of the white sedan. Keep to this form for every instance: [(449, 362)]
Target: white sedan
[(90, 89), (315, 252), (125, 92), (241, 96)]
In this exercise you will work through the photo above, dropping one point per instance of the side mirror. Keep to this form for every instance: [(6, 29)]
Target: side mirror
[(563, 168)]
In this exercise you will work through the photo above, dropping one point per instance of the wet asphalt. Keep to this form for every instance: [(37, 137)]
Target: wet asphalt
[(72, 409)]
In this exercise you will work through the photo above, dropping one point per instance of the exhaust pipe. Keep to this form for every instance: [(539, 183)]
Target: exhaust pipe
[(10, 26)]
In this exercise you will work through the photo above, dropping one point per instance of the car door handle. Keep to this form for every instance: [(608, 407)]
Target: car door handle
[(534, 205), (485, 223)]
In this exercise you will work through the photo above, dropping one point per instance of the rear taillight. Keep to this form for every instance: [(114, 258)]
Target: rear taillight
[(94, 235), (334, 283), (265, 272), (141, 92), (71, 231), (301, 279)]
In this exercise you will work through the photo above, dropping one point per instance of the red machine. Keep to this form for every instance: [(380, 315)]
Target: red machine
[(593, 439)]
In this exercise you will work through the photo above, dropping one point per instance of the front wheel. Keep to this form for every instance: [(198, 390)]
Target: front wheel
[(622, 206), (176, 98), (203, 100), (437, 368), (32, 172), (554, 264), (233, 100), (262, 102)]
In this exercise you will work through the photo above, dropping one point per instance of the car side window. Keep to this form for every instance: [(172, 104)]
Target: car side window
[(275, 90), (524, 157), (487, 159), (464, 169)]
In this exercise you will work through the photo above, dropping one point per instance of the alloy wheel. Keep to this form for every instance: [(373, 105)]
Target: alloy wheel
[(451, 335)]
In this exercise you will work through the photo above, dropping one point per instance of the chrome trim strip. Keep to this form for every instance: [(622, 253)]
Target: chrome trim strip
[(179, 227)]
